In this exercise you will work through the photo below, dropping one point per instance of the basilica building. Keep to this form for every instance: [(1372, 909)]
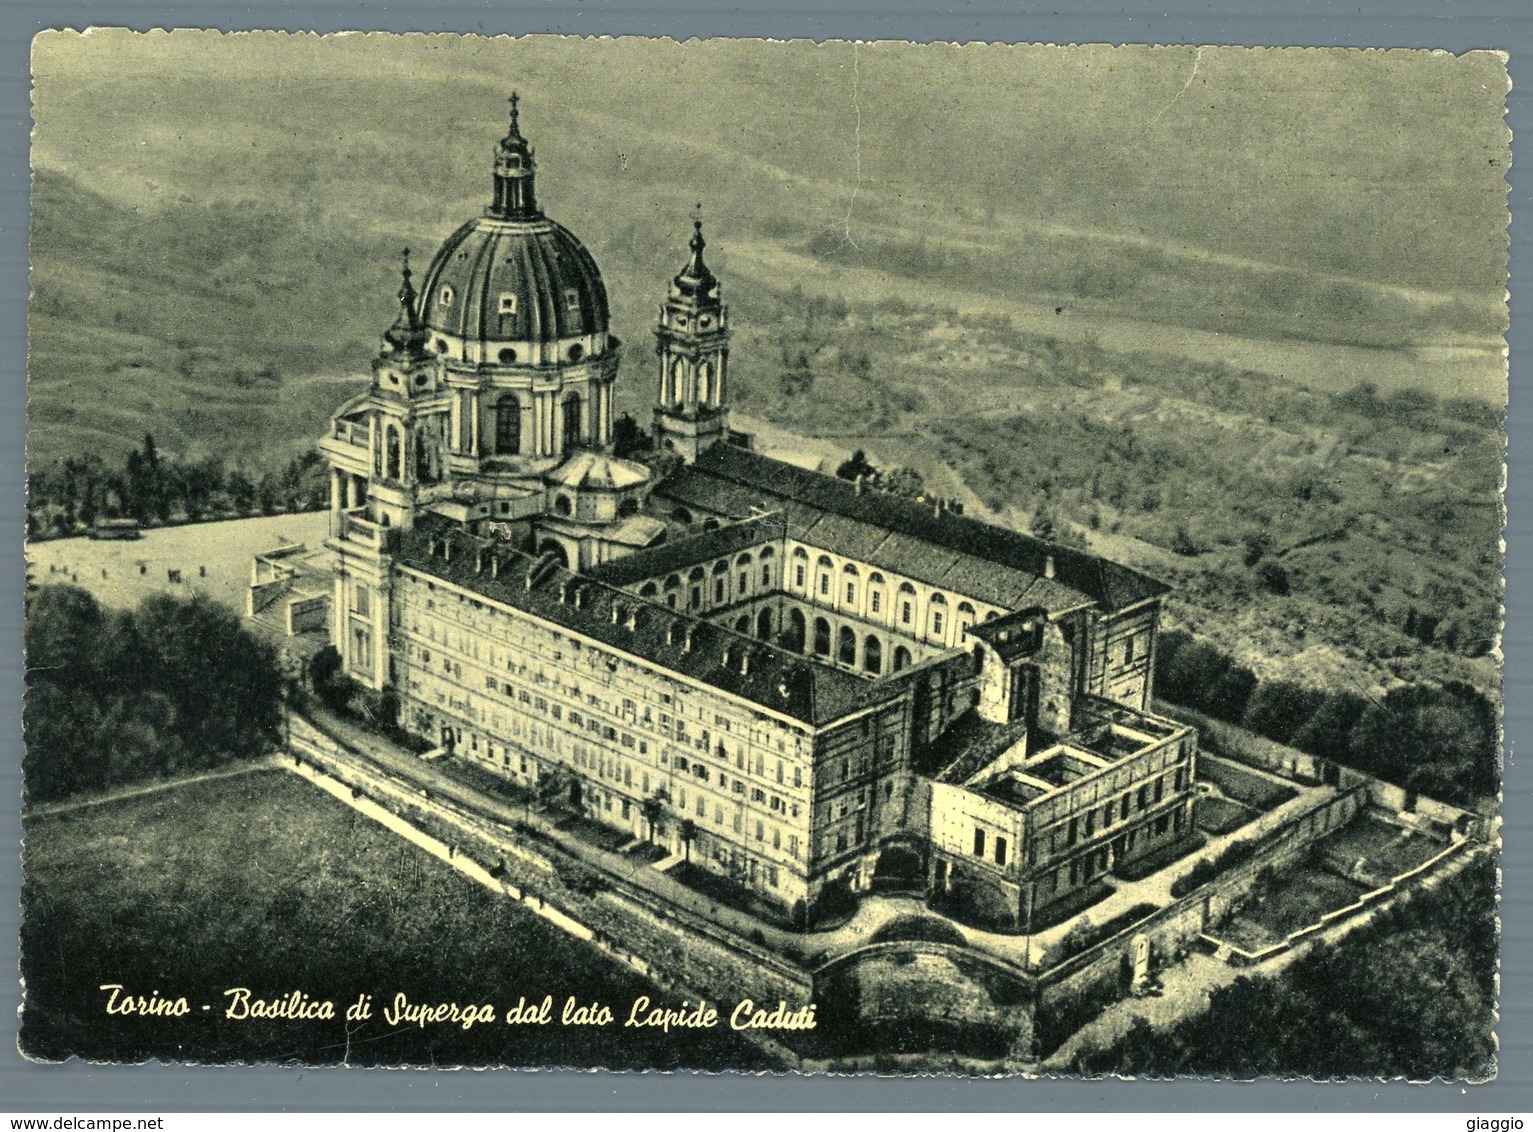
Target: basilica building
[(790, 678)]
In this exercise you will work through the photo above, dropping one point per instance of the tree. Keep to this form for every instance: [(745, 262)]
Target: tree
[(688, 834), (858, 467), (1190, 671), (1228, 696), (653, 809), (1328, 732), (1278, 709), (905, 482), (1441, 741), (629, 439)]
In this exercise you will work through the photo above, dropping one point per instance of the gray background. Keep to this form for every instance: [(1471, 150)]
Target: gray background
[(78, 1088)]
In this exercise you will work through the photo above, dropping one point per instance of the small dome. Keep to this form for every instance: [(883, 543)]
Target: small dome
[(593, 470), (497, 280)]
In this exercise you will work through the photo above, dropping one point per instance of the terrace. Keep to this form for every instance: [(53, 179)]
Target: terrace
[(1112, 735)]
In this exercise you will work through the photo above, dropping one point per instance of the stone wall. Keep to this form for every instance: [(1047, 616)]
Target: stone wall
[(1175, 928), (675, 948)]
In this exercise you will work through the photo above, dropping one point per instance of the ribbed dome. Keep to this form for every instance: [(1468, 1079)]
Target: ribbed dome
[(524, 280)]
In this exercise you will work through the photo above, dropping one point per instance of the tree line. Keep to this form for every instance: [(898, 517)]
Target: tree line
[(119, 696), (71, 495), (1441, 740)]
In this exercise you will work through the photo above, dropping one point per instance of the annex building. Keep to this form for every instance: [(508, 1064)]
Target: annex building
[(783, 675)]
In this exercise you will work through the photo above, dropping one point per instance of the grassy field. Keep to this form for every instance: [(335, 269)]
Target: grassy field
[(264, 882), (1386, 850), (1252, 789), (1220, 816), (1295, 900)]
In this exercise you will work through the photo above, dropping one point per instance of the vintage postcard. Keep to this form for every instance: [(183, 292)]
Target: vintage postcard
[(738, 556)]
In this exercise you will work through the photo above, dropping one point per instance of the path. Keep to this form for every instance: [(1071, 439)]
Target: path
[(53, 809)]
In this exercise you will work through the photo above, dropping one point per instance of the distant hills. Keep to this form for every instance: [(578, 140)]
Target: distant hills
[(217, 221)]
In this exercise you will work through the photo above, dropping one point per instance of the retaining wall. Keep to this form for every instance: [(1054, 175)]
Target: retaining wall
[(671, 946)]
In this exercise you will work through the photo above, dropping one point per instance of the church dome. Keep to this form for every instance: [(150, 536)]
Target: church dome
[(498, 280), (513, 275)]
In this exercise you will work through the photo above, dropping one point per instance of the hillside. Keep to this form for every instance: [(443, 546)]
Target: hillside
[(1171, 315)]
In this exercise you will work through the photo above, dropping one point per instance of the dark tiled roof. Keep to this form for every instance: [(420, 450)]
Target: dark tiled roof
[(688, 552), (952, 551), (775, 678), (969, 744)]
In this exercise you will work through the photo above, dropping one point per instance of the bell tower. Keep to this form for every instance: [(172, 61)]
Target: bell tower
[(692, 342)]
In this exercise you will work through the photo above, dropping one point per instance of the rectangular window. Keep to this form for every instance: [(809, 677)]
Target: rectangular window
[(572, 298), (825, 585), (1128, 651), (873, 602), (1000, 850), (798, 776), (766, 575), (798, 576), (507, 302), (1091, 822), (904, 613), (745, 581), (363, 601), (851, 592), (793, 845), (1160, 788), (702, 806), (979, 843), (937, 624), (718, 590)]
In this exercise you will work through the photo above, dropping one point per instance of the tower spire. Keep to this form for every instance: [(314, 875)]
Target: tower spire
[(407, 334), (514, 196), (695, 276), (515, 133)]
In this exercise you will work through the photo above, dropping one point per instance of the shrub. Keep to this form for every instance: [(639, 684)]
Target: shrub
[(918, 927)]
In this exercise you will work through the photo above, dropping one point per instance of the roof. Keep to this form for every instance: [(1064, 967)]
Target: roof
[(690, 551), (554, 284), (773, 678), (990, 563), (970, 743), (589, 469)]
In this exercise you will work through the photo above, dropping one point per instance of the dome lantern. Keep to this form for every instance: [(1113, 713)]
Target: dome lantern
[(514, 173)]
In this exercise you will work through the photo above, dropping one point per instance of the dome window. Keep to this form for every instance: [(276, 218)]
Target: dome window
[(562, 505), (681, 320), (420, 379), (445, 296), (577, 351), (441, 345), (705, 322), (572, 298), (507, 303), (507, 356)]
